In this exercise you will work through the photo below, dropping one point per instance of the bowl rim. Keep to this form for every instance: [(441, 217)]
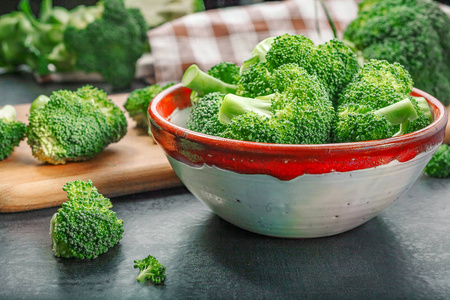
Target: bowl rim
[(439, 112)]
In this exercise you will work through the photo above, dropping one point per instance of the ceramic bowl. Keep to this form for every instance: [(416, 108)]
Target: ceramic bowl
[(295, 191)]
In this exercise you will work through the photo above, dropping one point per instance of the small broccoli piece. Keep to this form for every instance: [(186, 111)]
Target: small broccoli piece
[(204, 116), (356, 122), (74, 126), (439, 165), (225, 71), (413, 33), (12, 131), (138, 101), (150, 269), (110, 45), (85, 226)]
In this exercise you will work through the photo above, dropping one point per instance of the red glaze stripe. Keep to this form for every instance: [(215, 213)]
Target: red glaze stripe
[(284, 162)]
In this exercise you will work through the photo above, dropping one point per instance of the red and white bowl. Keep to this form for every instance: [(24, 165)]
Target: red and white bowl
[(296, 191)]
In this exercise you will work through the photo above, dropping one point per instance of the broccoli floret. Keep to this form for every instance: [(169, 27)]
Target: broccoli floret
[(439, 165), (356, 122), (110, 45), (413, 33), (74, 126), (255, 81), (226, 71), (138, 101), (12, 131), (204, 116), (288, 48), (150, 269), (85, 226), (377, 84)]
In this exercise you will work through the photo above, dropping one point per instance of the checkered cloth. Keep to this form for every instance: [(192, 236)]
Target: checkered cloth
[(230, 34)]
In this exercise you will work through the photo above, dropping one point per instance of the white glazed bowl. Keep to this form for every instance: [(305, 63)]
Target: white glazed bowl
[(296, 191)]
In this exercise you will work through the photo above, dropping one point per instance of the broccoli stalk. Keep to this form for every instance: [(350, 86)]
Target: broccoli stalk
[(400, 113), (11, 131), (85, 226), (203, 84), (150, 269), (233, 106), (258, 53)]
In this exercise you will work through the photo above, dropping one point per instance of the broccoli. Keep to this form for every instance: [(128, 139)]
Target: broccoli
[(85, 226), (377, 84), (334, 63), (301, 114), (110, 45), (12, 131), (356, 122), (439, 165), (203, 83), (150, 269), (74, 126), (258, 53), (413, 33), (138, 101), (225, 71), (204, 116)]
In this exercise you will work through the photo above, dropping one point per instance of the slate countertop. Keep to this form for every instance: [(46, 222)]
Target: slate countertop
[(402, 253)]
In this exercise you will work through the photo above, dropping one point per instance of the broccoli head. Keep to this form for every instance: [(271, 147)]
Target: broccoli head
[(439, 165), (204, 116), (150, 269), (12, 131), (413, 33), (74, 126), (138, 101), (110, 45), (85, 226), (356, 122)]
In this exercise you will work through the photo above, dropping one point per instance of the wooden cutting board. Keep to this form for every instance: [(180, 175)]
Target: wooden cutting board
[(135, 164)]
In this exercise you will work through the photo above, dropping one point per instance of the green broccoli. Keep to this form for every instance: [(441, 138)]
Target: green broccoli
[(356, 122), (204, 116), (74, 126), (110, 45), (258, 53), (413, 33), (301, 114), (225, 71), (203, 83), (138, 101), (439, 165), (85, 226), (150, 269), (377, 84), (12, 131), (334, 63)]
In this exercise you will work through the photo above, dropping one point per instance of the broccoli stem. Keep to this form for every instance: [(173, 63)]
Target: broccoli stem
[(258, 53), (39, 102), (400, 113), (8, 113), (233, 106), (203, 84), (424, 107)]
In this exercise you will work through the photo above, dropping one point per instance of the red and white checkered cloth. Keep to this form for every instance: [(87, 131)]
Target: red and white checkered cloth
[(230, 34)]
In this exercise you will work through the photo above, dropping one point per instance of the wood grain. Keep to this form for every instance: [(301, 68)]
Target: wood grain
[(135, 164)]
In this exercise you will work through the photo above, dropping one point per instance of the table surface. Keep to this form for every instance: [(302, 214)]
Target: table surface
[(402, 253)]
